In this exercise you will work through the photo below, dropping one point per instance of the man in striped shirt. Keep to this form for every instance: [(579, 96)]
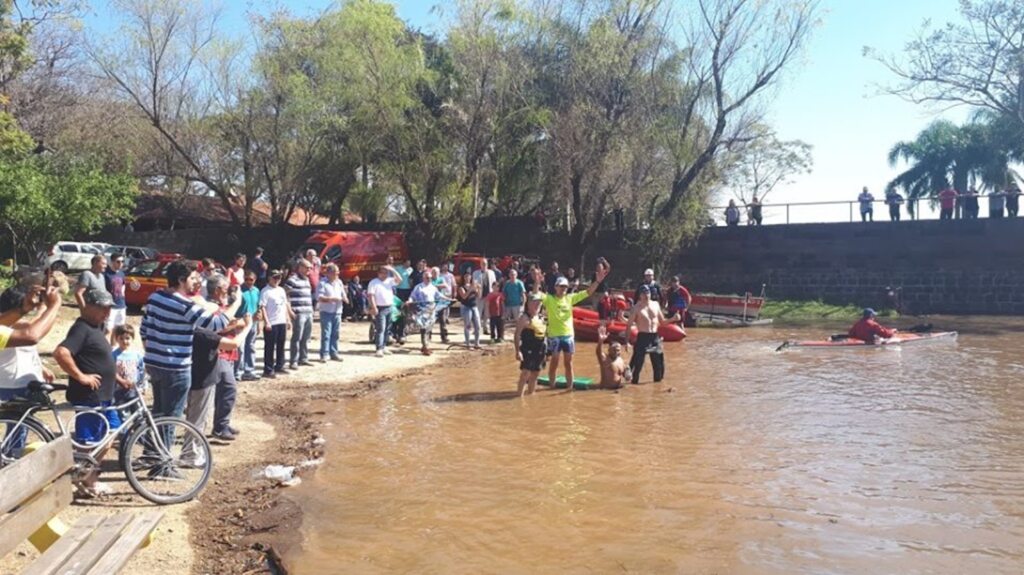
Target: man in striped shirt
[(167, 332), (300, 298)]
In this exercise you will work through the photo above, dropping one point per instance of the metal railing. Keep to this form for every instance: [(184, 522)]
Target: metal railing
[(773, 213)]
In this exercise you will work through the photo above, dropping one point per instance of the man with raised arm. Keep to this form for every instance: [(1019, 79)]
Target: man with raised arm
[(561, 337), (613, 367)]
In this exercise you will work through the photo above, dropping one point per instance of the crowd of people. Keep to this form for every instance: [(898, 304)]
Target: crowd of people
[(953, 204), (199, 334)]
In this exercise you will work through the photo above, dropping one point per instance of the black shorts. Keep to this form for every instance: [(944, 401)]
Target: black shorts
[(533, 359)]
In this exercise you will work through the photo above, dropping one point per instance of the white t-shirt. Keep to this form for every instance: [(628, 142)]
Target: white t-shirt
[(381, 291), (19, 366), (274, 301)]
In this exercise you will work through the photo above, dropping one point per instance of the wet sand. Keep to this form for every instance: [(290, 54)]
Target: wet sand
[(239, 516)]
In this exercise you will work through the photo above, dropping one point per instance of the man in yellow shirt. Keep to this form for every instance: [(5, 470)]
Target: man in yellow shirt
[(561, 338)]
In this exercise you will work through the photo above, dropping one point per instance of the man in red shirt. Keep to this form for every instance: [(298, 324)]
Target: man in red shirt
[(947, 201), (867, 329)]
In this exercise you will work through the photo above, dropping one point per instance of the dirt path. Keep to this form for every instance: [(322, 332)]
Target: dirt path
[(231, 526)]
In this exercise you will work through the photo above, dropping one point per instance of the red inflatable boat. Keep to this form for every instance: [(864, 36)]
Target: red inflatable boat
[(585, 322)]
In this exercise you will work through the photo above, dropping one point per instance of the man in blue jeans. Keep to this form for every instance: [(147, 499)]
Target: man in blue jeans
[(332, 297), (167, 332), (300, 298), (245, 367), (380, 295)]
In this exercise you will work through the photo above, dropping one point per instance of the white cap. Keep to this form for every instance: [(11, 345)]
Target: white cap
[(561, 281), (648, 271)]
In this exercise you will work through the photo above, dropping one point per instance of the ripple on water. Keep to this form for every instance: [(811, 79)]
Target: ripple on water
[(882, 460)]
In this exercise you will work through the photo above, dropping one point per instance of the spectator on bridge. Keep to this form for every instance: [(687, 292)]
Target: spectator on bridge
[(732, 214), (893, 199), (754, 211), (996, 203), (867, 203), (947, 201), (970, 204), (1012, 200)]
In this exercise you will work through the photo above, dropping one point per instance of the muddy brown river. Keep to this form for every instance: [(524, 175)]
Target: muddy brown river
[(743, 461)]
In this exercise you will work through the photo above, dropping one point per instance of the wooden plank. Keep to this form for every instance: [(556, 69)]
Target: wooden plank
[(131, 539), (50, 561), (96, 546), (15, 527), (30, 474)]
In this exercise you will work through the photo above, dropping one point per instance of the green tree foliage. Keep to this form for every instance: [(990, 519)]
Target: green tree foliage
[(975, 62), (46, 199), (763, 163), (944, 154), (574, 108)]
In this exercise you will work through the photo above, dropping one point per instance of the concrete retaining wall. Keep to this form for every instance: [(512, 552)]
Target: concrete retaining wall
[(940, 267)]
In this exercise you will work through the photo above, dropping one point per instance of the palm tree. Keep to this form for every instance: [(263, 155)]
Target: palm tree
[(974, 154)]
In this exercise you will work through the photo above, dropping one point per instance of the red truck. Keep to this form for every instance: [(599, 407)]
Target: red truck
[(357, 253)]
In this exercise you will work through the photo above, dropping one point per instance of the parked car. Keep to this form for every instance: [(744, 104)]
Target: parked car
[(357, 253), (146, 277), (132, 254), (70, 256)]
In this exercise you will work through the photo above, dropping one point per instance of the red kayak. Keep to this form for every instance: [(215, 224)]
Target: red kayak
[(585, 322), (900, 339)]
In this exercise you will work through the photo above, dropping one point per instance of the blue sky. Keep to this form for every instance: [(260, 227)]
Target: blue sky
[(830, 99)]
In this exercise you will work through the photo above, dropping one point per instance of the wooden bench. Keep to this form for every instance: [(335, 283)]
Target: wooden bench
[(35, 489)]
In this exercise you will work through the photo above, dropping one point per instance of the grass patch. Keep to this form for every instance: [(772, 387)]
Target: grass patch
[(817, 309)]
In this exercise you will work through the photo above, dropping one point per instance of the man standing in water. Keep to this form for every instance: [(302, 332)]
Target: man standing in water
[(647, 316), (613, 368), (561, 335)]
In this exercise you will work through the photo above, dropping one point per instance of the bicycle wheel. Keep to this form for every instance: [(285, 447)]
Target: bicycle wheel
[(17, 436), (170, 463)]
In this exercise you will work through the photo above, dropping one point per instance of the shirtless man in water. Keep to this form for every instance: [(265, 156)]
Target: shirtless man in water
[(613, 367), (647, 316)]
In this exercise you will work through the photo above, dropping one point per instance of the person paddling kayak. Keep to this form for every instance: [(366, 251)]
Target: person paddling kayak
[(867, 329)]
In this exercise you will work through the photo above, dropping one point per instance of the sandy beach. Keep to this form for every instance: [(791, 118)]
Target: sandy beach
[(241, 517)]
